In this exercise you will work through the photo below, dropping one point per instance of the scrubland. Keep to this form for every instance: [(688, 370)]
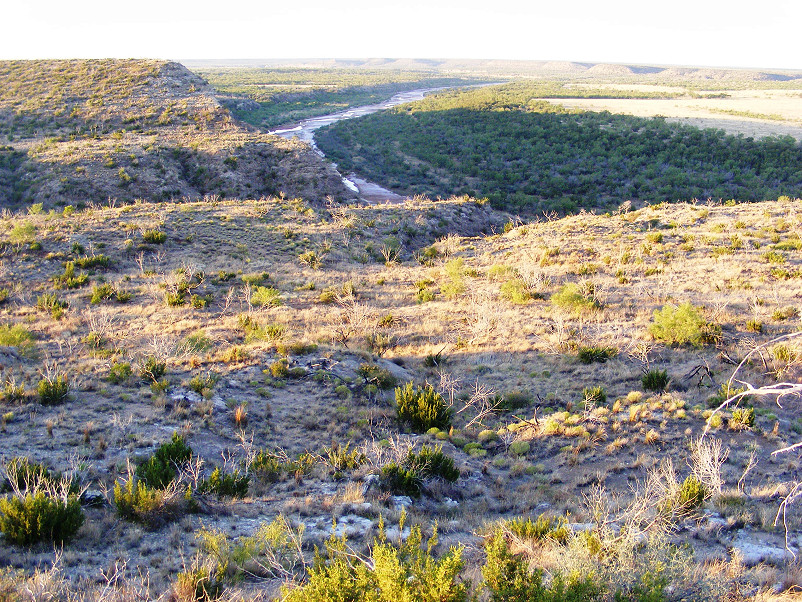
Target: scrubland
[(223, 384)]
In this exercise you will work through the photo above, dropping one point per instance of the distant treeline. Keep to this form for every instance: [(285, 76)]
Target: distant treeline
[(526, 154), (281, 96)]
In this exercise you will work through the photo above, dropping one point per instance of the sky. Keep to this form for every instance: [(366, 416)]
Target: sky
[(731, 33)]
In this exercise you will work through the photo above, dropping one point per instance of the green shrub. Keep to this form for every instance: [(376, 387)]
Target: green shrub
[(651, 588), (373, 374), (119, 372), (161, 468), (231, 484), (520, 448), (203, 384), (53, 389), (152, 507), (515, 291), (742, 419), (69, 279), (280, 368), (432, 463), (684, 324), (269, 467), (272, 551), (255, 278), (11, 391), (341, 457), (155, 237), (594, 396), (576, 299), (152, 369), (690, 496), (407, 478), (455, 283), (421, 408), (15, 335), (655, 380), (102, 292), (201, 301), (408, 571), (196, 583), (725, 391), (264, 296), (515, 400), (508, 578), (92, 262), (51, 303), (543, 527), (588, 355), (37, 516), (197, 342), (24, 475)]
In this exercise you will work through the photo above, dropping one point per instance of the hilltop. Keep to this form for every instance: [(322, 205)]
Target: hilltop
[(74, 132), (577, 355)]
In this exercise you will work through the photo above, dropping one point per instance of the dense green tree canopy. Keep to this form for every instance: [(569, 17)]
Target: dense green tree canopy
[(524, 153)]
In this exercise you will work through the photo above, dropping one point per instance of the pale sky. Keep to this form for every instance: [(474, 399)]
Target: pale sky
[(728, 33)]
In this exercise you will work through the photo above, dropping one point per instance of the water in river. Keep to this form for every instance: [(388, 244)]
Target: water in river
[(305, 131)]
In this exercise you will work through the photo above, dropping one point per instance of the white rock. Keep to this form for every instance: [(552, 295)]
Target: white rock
[(401, 501), (753, 551), (393, 534)]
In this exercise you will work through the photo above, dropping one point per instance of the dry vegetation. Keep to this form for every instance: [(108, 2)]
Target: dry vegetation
[(281, 326), (76, 131)]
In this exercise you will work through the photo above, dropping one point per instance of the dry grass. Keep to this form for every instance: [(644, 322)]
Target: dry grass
[(476, 339)]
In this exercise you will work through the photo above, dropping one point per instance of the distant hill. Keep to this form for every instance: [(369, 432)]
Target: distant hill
[(517, 68), (90, 130)]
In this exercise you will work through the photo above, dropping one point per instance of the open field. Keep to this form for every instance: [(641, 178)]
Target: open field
[(283, 328), (754, 113)]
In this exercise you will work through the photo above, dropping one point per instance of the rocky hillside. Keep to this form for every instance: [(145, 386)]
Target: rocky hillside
[(580, 361), (72, 132)]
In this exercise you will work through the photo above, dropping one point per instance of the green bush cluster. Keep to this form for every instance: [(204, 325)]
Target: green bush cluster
[(576, 299), (265, 296), (508, 578), (53, 389), (342, 457), (69, 279), (155, 237), (269, 467), (594, 396), (683, 324), (37, 516), (376, 375), (655, 380), (542, 528), (152, 507), (421, 408), (588, 355), (408, 476), (408, 571), (742, 419), (152, 369), (162, 467), (232, 484), (690, 497)]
